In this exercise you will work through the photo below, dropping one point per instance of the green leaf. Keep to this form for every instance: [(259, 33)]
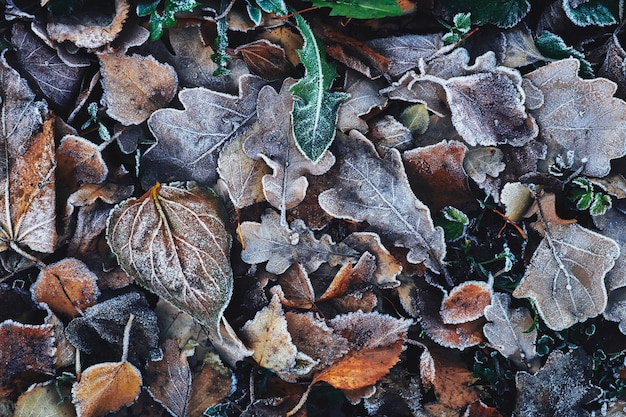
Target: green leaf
[(554, 47), (601, 203), (462, 21), (147, 7), (415, 118), (453, 222), (273, 6), (592, 12), (314, 112), (503, 13), (254, 13), (220, 57), (167, 19), (361, 9)]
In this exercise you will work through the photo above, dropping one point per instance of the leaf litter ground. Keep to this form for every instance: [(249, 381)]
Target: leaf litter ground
[(376, 209)]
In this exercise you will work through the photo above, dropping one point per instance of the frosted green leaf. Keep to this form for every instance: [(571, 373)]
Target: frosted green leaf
[(592, 12), (361, 9)]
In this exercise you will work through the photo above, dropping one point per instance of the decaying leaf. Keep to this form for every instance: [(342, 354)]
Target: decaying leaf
[(520, 48), (405, 52), (509, 330), (174, 242), (211, 385), (189, 140), (376, 190), (79, 161), (267, 335), (265, 59), (169, 380), (135, 86), (364, 97), (387, 267), (282, 246), (351, 278), (67, 287), (466, 302), (397, 393), (294, 288), (565, 276), (482, 162), (43, 400), (389, 133), (275, 144), (560, 388), (592, 124)]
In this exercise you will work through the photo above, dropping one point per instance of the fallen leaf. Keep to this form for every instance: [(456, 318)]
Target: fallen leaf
[(376, 190), (387, 267), (106, 387), (364, 97), (479, 409), (275, 144), (25, 347), (58, 81), (450, 379), (482, 162), (135, 86), (466, 302), (169, 380), (267, 335), (397, 393), (188, 141), (90, 27), (565, 277), (520, 48), (405, 52), (436, 173), (387, 133), (561, 387), (509, 330), (294, 288), (282, 246), (265, 59), (43, 400), (67, 287), (612, 225), (351, 278), (593, 112), (211, 385), (79, 161), (517, 198), (188, 222), (309, 209)]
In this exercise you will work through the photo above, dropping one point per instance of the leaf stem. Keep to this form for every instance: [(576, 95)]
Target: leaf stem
[(300, 404), (126, 341)]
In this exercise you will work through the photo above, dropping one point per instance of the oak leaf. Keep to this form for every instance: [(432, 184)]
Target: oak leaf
[(188, 141), (276, 145), (174, 242), (565, 276), (592, 112), (376, 190)]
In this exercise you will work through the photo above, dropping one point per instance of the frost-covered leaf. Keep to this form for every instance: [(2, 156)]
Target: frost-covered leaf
[(555, 48), (265, 59), (560, 388), (502, 13), (591, 12), (282, 246), (509, 329), (42, 400), (565, 277), (364, 97), (351, 278), (389, 133), (520, 48), (361, 9), (211, 385), (376, 190), (174, 242), (405, 52), (294, 288), (189, 140), (314, 112), (135, 86), (466, 302), (612, 224), (482, 162), (275, 144), (592, 124), (387, 267)]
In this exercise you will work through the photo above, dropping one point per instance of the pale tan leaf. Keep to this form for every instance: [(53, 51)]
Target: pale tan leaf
[(174, 242), (480, 162), (389, 133), (79, 161), (106, 387), (135, 86), (364, 97), (565, 277), (387, 267), (376, 190), (520, 48), (42, 400), (592, 124), (282, 246), (466, 302), (276, 145)]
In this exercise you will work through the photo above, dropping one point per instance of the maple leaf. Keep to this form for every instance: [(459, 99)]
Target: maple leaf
[(376, 190), (174, 242)]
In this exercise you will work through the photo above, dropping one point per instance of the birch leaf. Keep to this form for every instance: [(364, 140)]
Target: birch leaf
[(314, 111), (592, 124), (377, 190), (174, 242), (565, 276), (275, 144), (282, 246)]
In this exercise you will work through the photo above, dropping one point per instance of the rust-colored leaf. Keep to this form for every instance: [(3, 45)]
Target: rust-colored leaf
[(265, 59), (211, 385), (466, 302)]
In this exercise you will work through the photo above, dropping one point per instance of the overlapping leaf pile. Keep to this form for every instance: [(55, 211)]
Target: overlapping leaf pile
[(443, 236)]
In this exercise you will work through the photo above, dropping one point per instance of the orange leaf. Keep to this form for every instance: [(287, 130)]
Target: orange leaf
[(106, 387), (361, 368)]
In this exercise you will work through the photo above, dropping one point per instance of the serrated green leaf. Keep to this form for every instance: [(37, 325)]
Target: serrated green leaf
[(273, 6), (314, 112), (361, 9), (167, 18), (453, 222), (146, 7), (592, 12), (503, 13), (584, 201), (462, 21), (601, 203), (220, 57), (554, 47)]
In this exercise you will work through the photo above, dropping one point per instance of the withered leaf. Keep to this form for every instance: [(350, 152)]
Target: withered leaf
[(294, 288), (169, 380), (351, 278), (560, 388), (267, 335), (265, 59), (389, 133), (211, 385), (376, 190), (565, 276), (482, 162), (612, 224), (43, 400), (282, 246), (397, 393), (387, 267), (58, 81), (135, 86), (466, 302), (25, 347), (509, 330), (276, 145), (364, 97), (592, 124), (27, 168), (106, 387), (79, 161), (405, 52), (174, 242), (520, 48), (189, 140), (67, 287)]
